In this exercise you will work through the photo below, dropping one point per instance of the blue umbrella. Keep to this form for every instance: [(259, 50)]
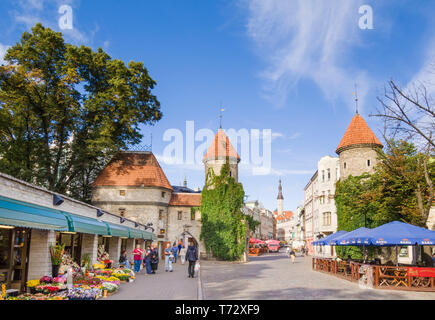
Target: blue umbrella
[(398, 233), (348, 238), (325, 240)]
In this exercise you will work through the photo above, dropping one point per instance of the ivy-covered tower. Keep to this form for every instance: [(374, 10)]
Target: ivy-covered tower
[(218, 153)]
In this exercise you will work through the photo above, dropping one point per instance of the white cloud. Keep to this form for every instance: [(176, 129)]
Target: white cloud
[(3, 49), (30, 12), (307, 39)]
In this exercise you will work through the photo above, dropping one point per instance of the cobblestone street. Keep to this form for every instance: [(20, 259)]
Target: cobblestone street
[(160, 286), (272, 276)]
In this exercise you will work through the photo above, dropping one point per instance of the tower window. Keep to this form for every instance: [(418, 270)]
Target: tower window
[(329, 174), (368, 163), (160, 214), (192, 215), (344, 165), (122, 192), (163, 194), (180, 215), (323, 175), (122, 212)]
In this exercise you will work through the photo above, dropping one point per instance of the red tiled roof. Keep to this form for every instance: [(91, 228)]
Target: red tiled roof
[(133, 169), (357, 133), (221, 147), (285, 215), (185, 199)]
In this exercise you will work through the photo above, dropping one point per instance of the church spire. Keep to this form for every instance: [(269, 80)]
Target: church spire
[(280, 190)]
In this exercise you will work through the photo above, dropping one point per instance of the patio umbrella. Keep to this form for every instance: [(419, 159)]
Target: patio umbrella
[(348, 238), (398, 233), (324, 241)]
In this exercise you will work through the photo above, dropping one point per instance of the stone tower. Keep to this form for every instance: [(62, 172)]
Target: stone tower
[(357, 149), (217, 154), (280, 199)]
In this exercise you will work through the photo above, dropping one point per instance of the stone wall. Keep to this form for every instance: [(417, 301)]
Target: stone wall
[(177, 227), (90, 246), (356, 161), (39, 254), (216, 166)]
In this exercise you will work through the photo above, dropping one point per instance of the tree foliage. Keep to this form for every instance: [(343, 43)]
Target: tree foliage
[(223, 228), (65, 110)]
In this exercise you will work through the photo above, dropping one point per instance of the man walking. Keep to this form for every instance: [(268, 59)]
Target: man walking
[(175, 251), (292, 256), (168, 257), (192, 257), (154, 258)]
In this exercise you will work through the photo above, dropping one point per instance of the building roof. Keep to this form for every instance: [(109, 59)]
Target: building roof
[(221, 148), (185, 199), (135, 169), (358, 133), (286, 215)]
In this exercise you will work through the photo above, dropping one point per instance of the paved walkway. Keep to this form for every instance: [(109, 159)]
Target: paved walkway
[(160, 286), (272, 276)]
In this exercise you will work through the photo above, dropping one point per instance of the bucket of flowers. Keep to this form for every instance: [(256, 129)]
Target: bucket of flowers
[(110, 287), (31, 285)]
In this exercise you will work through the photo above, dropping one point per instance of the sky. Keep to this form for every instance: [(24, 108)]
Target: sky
[(288, 66)]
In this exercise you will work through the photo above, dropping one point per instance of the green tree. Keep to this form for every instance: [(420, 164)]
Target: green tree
[(223, 228), (65, 110)]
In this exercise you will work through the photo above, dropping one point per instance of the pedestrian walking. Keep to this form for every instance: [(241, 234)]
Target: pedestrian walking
[(192, 257), (147, 260), (288, 251), (123, 260), (292, 256), (183, 254), (175, 251), (154, 258), (180, 245), (137, 257), (169, 255)]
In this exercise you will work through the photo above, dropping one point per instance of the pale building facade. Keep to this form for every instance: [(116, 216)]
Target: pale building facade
[(311, 210), (328, 174)]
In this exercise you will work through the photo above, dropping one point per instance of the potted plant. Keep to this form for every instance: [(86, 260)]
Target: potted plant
[(86, 262), (56, 253)]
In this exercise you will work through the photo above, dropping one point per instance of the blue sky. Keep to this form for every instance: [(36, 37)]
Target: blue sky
[(288, 66)]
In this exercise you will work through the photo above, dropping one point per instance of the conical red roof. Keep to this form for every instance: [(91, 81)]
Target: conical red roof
[(221, 147), (134, 169), (358, 133)]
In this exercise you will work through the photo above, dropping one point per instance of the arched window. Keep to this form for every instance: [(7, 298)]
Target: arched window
[(368, 163)]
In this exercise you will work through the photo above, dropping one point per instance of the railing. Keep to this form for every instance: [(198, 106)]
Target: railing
[(384, 277)]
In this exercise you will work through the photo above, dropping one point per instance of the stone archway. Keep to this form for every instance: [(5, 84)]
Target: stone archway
[(185, 236)]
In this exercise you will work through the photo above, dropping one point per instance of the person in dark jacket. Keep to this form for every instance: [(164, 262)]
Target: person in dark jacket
[(192, 257), (147, 260), (154, 258)]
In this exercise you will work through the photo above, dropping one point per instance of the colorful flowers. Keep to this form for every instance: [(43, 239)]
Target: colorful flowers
[(110, 287), (84, 293), (46, 279), (32, 283)]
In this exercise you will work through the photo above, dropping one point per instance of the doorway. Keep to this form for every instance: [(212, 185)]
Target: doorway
[(14, 257)]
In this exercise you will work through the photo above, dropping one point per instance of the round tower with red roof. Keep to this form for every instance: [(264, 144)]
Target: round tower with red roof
[(219, 152), (357, 149)]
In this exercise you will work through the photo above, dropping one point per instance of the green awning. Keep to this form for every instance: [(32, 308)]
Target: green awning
[(87, 225), (136, 233), (118, 231), (21, 214), (149, 236)]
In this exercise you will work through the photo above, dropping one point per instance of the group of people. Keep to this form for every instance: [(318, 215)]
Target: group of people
[(150, 257)]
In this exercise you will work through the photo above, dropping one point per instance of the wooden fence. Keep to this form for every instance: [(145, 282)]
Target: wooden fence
[(384, 277)]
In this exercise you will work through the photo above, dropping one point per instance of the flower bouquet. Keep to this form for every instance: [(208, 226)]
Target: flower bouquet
[(84, 280), (110, 287), (84, 293), (31, 284), (113, 280), (46, 279)]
